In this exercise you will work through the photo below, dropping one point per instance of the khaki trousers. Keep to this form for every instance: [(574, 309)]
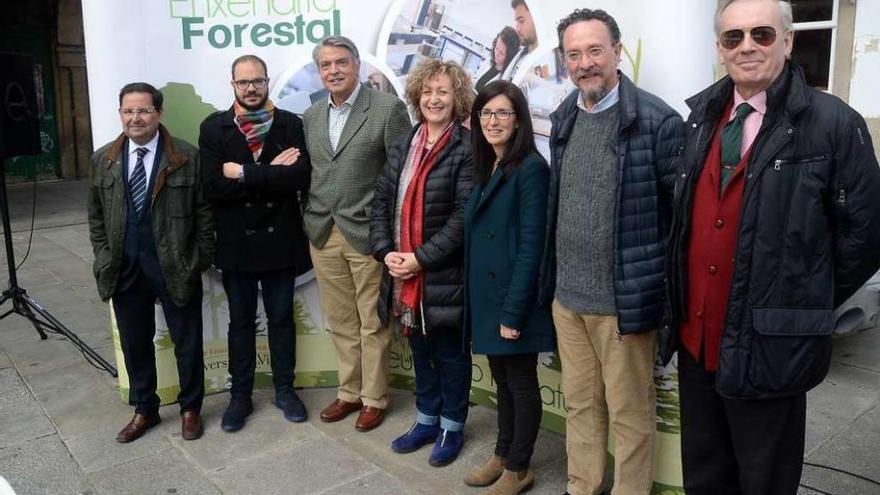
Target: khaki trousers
[(606, 378), (348, 284)]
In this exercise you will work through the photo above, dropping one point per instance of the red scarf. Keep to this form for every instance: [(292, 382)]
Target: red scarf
[(413, 211)]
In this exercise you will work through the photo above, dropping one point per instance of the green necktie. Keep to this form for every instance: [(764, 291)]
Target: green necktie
[(731, 143)]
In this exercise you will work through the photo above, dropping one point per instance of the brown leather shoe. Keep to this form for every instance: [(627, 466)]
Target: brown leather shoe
[(339, 409), (191, 426), (369, 418), (136, 428)]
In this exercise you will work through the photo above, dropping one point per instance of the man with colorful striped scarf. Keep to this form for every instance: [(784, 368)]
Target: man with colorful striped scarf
[(256, 165)]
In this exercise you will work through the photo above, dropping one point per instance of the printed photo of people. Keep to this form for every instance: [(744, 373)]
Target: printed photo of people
[(454, 30)]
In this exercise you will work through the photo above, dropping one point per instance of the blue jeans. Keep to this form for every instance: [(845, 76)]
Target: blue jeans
[(241, 292), (443, 378)]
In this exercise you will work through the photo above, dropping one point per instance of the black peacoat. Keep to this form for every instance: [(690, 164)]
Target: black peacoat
[(258, 220)]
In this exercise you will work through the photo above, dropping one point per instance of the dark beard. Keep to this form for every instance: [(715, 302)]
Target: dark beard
[(259, 106)]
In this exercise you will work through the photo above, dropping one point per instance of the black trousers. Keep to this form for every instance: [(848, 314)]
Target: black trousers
[(519, 407), (241, 292), (732, 447), (135, 313)]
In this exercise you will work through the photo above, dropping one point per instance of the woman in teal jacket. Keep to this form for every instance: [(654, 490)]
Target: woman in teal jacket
[(505, 227)]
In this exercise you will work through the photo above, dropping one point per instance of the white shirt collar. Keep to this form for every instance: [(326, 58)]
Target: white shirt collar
[(604, 104), (150, 146), (351, 98)]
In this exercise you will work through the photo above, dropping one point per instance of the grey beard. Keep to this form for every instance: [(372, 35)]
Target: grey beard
[(596, 95)]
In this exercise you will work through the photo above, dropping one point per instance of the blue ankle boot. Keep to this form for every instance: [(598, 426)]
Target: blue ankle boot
[(418, 436), (446, 448)]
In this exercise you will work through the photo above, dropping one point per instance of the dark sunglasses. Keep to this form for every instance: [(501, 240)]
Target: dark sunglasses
[(762, 35)]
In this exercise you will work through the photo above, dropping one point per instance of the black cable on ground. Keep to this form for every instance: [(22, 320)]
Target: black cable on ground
[(843, 471), (33, 218), (61, 337), (820, 492)]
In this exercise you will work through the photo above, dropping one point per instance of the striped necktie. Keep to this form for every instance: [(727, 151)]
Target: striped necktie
[(138, 181)]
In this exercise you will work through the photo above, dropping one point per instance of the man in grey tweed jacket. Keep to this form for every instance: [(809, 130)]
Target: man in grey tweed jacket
[(348, 137)]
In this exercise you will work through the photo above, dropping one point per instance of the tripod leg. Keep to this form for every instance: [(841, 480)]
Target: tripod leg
[(59, 327), (24, 305), (20, 306)]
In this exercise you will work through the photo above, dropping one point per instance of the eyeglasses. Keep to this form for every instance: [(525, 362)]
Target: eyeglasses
[(243, 84), (500, 114), (762, 35), (132, 112), (594, 53)]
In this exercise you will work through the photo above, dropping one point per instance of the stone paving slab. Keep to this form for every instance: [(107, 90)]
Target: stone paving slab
[(58, 203), (856, 377), (34, 279), (833, 405), (308, 467), (34, 356), (72, 239), (42, 466), (862, 350), (822, 481), (22, 416), (853, 449), (75, 269), (79, 399), (263, 433), (377, 483), (167, 472), (98, 450)]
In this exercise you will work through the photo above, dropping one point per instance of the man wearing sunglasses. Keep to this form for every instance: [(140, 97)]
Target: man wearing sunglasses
[(152, 233), (256, 166), (776, 222)]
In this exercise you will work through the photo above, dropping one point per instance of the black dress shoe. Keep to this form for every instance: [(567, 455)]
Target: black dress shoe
[(235, 414), (291, 405)]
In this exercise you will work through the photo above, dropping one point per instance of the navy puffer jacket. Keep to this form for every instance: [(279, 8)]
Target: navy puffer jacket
[(651, 136)]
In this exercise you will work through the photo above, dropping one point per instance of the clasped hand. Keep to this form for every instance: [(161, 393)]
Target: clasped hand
[(402, 265)]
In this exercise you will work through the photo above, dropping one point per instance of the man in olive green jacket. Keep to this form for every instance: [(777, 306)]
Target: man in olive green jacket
[(152, 233), (348, 136)]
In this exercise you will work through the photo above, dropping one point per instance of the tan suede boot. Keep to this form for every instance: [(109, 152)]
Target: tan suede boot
[(512, 483), (486, 474)]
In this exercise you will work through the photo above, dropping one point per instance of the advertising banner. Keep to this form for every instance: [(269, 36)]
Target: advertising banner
[(186, 47)]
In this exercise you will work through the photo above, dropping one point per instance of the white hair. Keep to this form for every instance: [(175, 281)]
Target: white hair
[(784, 14)]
